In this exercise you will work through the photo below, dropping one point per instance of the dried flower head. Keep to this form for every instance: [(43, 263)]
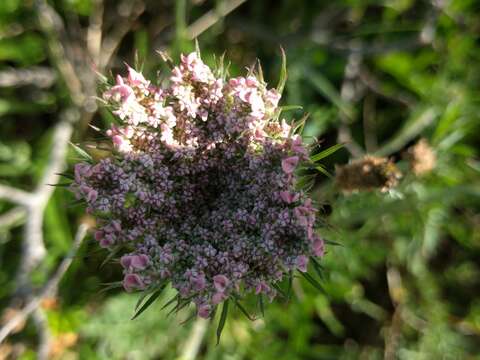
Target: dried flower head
[(200, 188), (421, 157), (368, 173)]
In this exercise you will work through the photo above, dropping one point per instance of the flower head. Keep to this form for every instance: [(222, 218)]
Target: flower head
[(200, 187)]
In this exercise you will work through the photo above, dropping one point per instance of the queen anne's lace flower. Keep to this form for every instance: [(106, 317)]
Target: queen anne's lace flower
[(201, 187)]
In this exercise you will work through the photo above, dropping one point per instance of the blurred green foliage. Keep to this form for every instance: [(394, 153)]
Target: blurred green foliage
[(405, 280)]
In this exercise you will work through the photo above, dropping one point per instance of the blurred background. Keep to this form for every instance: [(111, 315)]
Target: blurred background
[(395, 79)]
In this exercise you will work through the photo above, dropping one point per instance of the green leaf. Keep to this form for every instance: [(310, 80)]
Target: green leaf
[(260, 304), (140, 299), (317, 267), (180, 305), (327, 152), (60, 184), (312, 281), (290, 107), (149, 302), (330, 242), (68, 176), (324, 171), (110, 256), (279, 289), (243, 310), (170, 302), (83, 154), (223, 319), (298, 126), (289, 288), (110, 286), (283, 73)]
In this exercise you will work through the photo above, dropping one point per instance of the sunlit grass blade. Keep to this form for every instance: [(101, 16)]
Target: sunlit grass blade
[(327, 152)]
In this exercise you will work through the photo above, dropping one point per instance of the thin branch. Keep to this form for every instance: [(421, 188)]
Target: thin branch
[(94, 32), (194, 342), (52, 26), (13, 217), (33, 247), (44, 338), (48, 288), (39, 76), (112, 40), (348, 93), (14, 195), (211, 18)]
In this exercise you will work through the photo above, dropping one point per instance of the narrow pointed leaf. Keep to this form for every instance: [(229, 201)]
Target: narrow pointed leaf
[(330, 242), (170, 302), (327, 152), (68, 176), (298, 126), (149, 302), (140, 299), (279, 289), (243, 310), (260, 304), (110, 256), (317, 267), (60, 184), (283, 73), (223, 319), (290, 108), (289, 288), (323, 171), (110, 286), (191, 317), (312, 281), (83, 154)]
